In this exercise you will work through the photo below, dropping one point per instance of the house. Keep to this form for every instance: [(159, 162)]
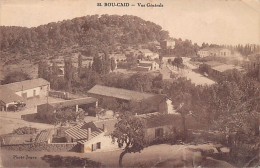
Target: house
[(117, 58), (47, 110), (59, 63), (224, 52), (203, 53), (146, 101), (159, 125), (90, 137), (218, 68), (168, 44), (8, 98), (96, 136), (149, 65), (149, 54), (87, 61), (214, 51), (30, 88)]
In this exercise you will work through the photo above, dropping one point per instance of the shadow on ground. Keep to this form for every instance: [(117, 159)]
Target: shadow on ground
[(68, 161), (33, 118)]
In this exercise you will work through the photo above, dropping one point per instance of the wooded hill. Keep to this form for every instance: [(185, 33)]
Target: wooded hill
[(92, 32)]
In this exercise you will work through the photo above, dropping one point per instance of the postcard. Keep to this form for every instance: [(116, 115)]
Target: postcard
[(129, 83)]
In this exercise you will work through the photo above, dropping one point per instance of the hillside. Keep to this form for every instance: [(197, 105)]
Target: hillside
[(93, 33)]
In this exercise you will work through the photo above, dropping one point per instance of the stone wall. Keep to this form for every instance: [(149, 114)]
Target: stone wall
[(52, 147)]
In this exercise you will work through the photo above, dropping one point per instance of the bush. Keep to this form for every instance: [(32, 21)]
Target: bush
[(25, 130)]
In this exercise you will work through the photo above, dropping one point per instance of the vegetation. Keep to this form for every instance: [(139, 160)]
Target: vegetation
[(95, 33), (67, 115), (25, 130), (68, 161), (15, 77), (178, 62), (129, 133)]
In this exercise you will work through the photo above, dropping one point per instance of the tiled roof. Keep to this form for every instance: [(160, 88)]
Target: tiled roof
[(27, 84), (119, 93), (8, 96), (44, 136), (80, 131)]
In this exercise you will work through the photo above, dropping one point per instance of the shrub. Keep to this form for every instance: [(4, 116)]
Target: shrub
[(25, 130)]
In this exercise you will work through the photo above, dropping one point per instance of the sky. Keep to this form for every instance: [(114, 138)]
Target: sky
[(211, 21)]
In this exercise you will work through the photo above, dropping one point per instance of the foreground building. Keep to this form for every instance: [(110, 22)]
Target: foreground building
[(8, 98), (14, 95), (30, 88), (146, 101), (91, 137), (96, 136)]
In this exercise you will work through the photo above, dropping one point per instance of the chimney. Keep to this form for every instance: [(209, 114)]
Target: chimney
[(89, 133), (104, 128)]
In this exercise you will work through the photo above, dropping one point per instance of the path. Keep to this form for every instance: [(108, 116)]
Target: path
[(188, 72)]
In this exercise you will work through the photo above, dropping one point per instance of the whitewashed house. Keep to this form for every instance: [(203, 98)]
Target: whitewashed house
[(30, 88), (148, 65), (149, 54), (168, 44)]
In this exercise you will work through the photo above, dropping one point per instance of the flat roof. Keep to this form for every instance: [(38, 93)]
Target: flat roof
[(27, 84), (8, 96), (73, 102), (119, 93)]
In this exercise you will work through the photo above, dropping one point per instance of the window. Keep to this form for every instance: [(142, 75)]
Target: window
[(158, 132)]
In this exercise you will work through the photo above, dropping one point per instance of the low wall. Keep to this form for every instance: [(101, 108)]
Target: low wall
[(59, 94), (52, 147)]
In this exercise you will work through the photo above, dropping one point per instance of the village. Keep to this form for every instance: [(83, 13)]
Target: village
[(35, 117)]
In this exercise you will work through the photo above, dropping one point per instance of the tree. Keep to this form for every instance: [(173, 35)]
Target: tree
[(113, 64), (129, 133), (54, 76), (97, 64), (79, 64), (68, 73), (178, 62), (16, 76)]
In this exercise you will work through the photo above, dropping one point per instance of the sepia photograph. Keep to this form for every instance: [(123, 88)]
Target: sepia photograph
[(130, 83)]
